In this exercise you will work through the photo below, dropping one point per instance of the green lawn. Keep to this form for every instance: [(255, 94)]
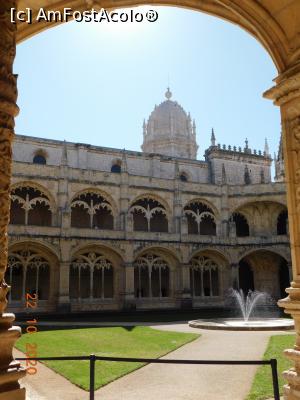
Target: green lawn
[(137, 341), (262, 385)]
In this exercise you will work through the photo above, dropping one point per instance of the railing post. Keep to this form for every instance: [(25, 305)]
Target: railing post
[(92, 376), (275, 379)]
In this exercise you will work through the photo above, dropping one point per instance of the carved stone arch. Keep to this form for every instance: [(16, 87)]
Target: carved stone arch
[(110, 251), (207, 270), (171, 255), (202, 217), (37, 186), (93, 209), (273, 250), (45, 248), (96, 271), (206, 203), (155, 197), (252, 17), (150, 214), (101, 193), (40, 260), (266, 270), (216, 254)]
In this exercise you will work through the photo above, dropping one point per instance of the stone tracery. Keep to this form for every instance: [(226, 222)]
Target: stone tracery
[(201, 219), (30, 206), (204, 275), (151, 275), (149, 215), (91, 276), (91, 210)]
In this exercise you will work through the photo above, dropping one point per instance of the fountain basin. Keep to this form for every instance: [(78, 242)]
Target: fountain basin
[(237, 324)]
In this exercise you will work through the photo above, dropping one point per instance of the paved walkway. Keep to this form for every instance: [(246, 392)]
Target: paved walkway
[(176, 382)]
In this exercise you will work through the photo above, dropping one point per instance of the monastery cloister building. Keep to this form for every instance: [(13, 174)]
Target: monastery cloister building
[(96, 228)]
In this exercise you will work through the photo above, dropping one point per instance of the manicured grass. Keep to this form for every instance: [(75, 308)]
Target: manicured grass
[(262, 385), (137, 341)]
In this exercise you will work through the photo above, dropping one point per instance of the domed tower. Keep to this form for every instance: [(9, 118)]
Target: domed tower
[(170, 131)]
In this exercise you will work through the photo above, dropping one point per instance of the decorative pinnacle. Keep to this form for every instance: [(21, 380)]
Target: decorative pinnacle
[(267, 151), (246, 144), (168, 93), (213, 138)]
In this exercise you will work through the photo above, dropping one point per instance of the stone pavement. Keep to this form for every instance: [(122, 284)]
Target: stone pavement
[(176, 382)]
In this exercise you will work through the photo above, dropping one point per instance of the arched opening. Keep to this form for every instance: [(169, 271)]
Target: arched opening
[(246, 278), (282, 222), (91, 210), (183, 177), (264, 271), (30, 206), (28, 271), (204, 277), (116, 168), (241, 225), (151, 276), (39, 159), (201, 219), (149, 215), (91, 277)]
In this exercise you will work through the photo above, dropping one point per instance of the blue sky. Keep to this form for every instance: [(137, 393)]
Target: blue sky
[(96, 82)]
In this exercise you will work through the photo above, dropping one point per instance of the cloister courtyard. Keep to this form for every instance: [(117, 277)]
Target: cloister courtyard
[(132, 202)]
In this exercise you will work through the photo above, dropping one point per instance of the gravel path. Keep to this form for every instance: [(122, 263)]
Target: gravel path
[(176, 382)]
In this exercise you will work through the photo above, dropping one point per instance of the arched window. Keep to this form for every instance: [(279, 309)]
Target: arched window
[(27, 272), (30, 206), (241, 225), (91, 210), (151, 277), (149, 215), (201, 219), (39, 159), (91, 276), (116, 168), (183, 177), (204, 276), (282, 223)]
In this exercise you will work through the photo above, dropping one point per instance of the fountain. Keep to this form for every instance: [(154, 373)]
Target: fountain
[(246, 305)]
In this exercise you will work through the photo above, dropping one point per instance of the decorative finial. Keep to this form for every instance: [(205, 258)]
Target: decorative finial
[(168, 94), (64, 156), (213, 138), (267, 151), (246, 144)]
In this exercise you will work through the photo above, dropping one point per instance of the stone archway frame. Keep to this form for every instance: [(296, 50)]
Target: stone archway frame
[(106, 196), (172, 259), (242, 209), (45, 191), (221, 259), (257, 255), (275, 28)]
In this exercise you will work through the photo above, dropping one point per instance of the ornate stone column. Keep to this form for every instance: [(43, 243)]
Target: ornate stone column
[(10, 370), (286, 94)]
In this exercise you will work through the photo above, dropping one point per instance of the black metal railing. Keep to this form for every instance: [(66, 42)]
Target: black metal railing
[(93, 358)]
